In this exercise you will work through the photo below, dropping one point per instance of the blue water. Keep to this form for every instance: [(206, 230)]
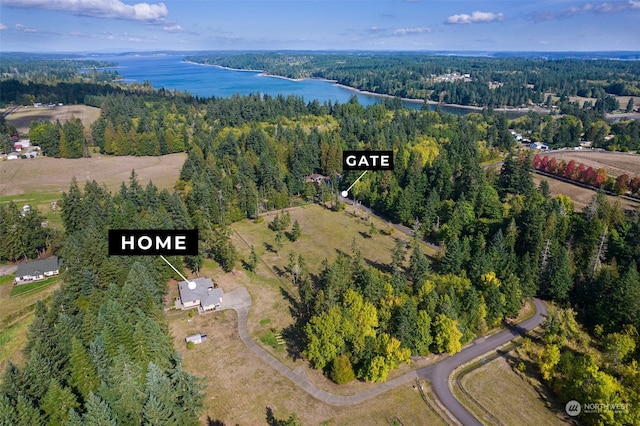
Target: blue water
[(205, 81), (171, 72)]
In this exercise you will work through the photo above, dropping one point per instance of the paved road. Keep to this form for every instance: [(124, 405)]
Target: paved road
[(8, 269), (438, 373)]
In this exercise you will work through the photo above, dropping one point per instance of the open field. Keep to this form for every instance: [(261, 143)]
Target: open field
[(615, 163), (240, 385), (16, 313), (22, 117), (580, 196), (506, 396), (53, 175)]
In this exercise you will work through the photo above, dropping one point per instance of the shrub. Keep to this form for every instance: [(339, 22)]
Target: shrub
[(191, 345), (341, 370), (191, 314)]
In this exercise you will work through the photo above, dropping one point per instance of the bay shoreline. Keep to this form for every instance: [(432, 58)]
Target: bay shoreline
[(261, 73)]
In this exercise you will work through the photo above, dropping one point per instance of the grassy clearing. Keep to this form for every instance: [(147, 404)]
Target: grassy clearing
[(505, 396), (12, 340), (22, 117), (53, 175), (580, 196), (615, 163), (240, 385), (32, 287)]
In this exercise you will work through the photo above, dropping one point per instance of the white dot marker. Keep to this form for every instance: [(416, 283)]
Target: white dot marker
[(344, 193)]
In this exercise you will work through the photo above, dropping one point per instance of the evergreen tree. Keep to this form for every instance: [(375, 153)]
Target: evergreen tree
[(419, 267), (98, 413), (83, 374), (57, 403)]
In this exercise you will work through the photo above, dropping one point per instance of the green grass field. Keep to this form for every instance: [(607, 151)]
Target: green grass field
[(32, 287)]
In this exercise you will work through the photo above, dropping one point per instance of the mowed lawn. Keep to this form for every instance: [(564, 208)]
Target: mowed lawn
[(240, 386), (506, 396)]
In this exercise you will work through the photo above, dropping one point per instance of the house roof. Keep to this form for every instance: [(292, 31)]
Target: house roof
[(204, 292), (39, 267)]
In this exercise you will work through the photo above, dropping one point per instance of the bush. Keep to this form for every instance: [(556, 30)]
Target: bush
[(341, 370), (191, 345), (191, 314), (259, 219)]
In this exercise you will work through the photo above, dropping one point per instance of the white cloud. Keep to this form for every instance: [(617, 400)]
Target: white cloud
[(98, 8), (475, 18), (411, 31), (2, 26), (25, 29), (173, 28)]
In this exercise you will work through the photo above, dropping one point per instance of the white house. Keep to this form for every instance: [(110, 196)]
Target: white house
[(539, 145), (38, 270), (13, 156), (200, 293)]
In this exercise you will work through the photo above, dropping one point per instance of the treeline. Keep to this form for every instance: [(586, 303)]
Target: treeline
[(22, 234), (100, 352), (52, 68), (578, 172), (26, 93), (519, 81), (66, 140)]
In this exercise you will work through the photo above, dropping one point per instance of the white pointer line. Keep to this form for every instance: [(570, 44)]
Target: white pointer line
[(355, 181), (172, 267)]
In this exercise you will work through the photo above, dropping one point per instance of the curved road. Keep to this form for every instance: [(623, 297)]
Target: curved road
[(438, 373)]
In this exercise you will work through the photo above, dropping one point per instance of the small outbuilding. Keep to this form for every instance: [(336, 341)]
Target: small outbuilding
[(196, 338)]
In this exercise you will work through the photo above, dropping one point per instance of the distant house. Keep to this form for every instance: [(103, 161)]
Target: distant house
[(18, 147), (316, 178), (13, 156), (539, 145), (37, 270), (200, 293), (196, 338)]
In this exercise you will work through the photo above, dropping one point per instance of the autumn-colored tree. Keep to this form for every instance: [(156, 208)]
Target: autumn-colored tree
[(621, 184), (600, 177), (570, 170)]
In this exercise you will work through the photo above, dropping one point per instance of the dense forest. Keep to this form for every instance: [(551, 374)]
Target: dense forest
[(99, 352), (103, 341), (479, 81)]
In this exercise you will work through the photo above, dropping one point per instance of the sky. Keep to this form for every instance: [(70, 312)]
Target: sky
[(427, 25)]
